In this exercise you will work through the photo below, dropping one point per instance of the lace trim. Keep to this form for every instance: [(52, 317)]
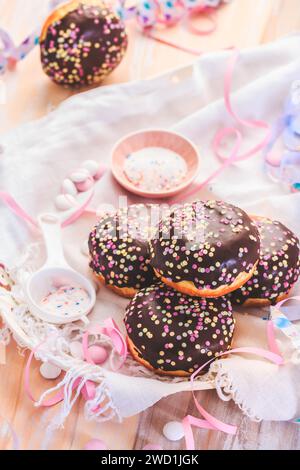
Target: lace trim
[(227, 390)]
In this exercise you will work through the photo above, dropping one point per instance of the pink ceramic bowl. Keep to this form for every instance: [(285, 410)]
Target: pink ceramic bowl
[(154, 138)]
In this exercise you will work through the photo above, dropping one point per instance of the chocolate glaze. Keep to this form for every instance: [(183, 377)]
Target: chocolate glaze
[(84, 46), (176, 332), (119, 248), (218, 241), (279, 264)]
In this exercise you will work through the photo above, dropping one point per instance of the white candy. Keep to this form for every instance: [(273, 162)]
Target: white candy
[(173, 431), (91, 166), (85, 248), (64, 202), (76, 349), (69, 187), (49, 371), (79, 176)]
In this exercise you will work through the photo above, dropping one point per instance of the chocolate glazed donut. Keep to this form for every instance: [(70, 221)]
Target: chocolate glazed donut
[(119, 250), (278, 268), (82, 42), (206, 249), (174, 334)]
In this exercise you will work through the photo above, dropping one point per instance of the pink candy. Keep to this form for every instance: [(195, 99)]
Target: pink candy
[(85, 185), (81, 180), (95, 444), (98, 354)]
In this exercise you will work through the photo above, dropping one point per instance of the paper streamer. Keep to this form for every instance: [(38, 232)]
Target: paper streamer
[(284, 165), (209, 421), (236, 155), (282, 322), (109, 329)]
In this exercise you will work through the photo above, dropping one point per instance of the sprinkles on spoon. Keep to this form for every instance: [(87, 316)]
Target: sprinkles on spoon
[(66, 300)]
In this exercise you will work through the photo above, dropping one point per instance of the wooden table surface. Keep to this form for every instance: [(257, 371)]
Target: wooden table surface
[(30, 95)]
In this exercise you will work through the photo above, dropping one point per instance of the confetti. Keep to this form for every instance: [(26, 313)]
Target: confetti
[(175, 333), (119, 248), (278, 268), (66, 301), (155, 169), (82, 42), (205, 248)]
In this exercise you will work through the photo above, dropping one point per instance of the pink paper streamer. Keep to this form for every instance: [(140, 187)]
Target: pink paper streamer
[(88, 391), (235, 154), (22, 214), (210, 422)]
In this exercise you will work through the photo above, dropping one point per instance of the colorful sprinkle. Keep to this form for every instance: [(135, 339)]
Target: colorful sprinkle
[(83, 44), (207, 243), (119, 248), (155, 169), (279, 266), (66, 301), (189, 340)]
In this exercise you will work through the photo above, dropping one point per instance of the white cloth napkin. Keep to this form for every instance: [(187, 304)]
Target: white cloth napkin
[(36, 157)]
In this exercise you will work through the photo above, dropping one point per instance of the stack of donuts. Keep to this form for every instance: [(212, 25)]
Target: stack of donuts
[(184, 273)]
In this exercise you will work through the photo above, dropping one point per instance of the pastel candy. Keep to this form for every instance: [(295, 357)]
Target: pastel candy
[(101, 171), (85, 185), (95, 444), (173, 431), (80, 175), (98, 354), (69, 187), (64, 202), (91, 166), (152, 447), (49, 371)]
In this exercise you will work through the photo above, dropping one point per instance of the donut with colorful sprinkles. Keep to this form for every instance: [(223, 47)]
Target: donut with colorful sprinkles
[(207, 249), (278, 268), (175, 334), (119, 250), (82, 42)]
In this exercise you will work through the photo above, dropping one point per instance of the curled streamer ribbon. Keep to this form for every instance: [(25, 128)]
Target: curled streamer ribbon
[(13, 205), (285, 166), (284, 322), (209, 421), (10, 54), (236, 155), (88, 390), (154, 14)]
